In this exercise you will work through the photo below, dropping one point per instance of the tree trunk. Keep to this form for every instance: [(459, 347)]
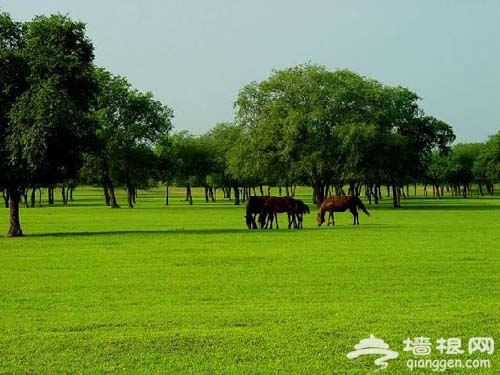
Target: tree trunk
[(33, 197), (112, 196), (130, 196), (50, 193), (5, 196), (352, 189), (24, 195), (63, 195), (236, 195), (166, 194), (318, 193), (39, 197), (15, 224), (130, 192), (227, 192), (396, 200), (379, 193), (189, 195), (368, 193), (107, 198)]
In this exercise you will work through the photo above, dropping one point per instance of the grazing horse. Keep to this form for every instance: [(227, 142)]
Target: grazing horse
[(340, 204), (275, 205), (300, 209), (254, 206)]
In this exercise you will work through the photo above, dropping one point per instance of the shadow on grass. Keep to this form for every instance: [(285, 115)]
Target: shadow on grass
[(205, 231), (140, 232)]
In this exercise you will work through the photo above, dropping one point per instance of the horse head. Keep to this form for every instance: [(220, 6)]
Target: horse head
[(320, 219)]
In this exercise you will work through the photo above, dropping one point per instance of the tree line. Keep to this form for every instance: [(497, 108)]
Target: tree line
[(65, 121)]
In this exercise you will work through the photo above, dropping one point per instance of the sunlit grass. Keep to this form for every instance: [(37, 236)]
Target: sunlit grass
[(189, 290)]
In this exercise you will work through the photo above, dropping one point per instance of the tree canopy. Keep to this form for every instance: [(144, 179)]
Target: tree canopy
[(323, 128)]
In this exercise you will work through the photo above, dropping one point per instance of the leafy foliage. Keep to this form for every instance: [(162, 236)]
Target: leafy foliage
[(320, 127)]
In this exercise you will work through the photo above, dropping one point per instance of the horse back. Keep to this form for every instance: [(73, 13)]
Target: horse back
[(340, 203), (281, 204), (255, 203)]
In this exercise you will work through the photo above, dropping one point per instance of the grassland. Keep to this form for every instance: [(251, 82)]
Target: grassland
[(189, 290)]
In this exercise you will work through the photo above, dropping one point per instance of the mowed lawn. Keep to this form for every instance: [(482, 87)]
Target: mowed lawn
[(190, 290)]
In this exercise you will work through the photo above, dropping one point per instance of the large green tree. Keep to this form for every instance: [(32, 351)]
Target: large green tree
[(129, 125), (327, 128), (48, 87)]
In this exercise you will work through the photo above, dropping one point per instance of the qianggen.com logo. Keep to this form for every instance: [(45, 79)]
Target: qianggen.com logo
[(423, 347)]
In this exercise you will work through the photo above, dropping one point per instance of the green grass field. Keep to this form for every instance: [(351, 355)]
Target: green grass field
[(190, 290)]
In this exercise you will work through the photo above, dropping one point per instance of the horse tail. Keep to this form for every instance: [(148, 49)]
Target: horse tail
[(362, 206)]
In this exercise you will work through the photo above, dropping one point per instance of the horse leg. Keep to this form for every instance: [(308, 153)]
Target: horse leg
[(355, 215), (254, 223), (332, 218), (276, 218), (269, 222)]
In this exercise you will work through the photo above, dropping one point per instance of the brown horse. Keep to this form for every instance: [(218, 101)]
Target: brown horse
[(254, 206), (340, 204), (275, 205)]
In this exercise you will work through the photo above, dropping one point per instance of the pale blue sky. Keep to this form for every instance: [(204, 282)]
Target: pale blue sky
[(196, 55)]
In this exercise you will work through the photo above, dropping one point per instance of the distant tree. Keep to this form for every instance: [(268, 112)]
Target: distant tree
[(166, 163), (44, 117), (129, 125), (192, 161), (487, 164), (436, 173), (235, 164), (460, 167)]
